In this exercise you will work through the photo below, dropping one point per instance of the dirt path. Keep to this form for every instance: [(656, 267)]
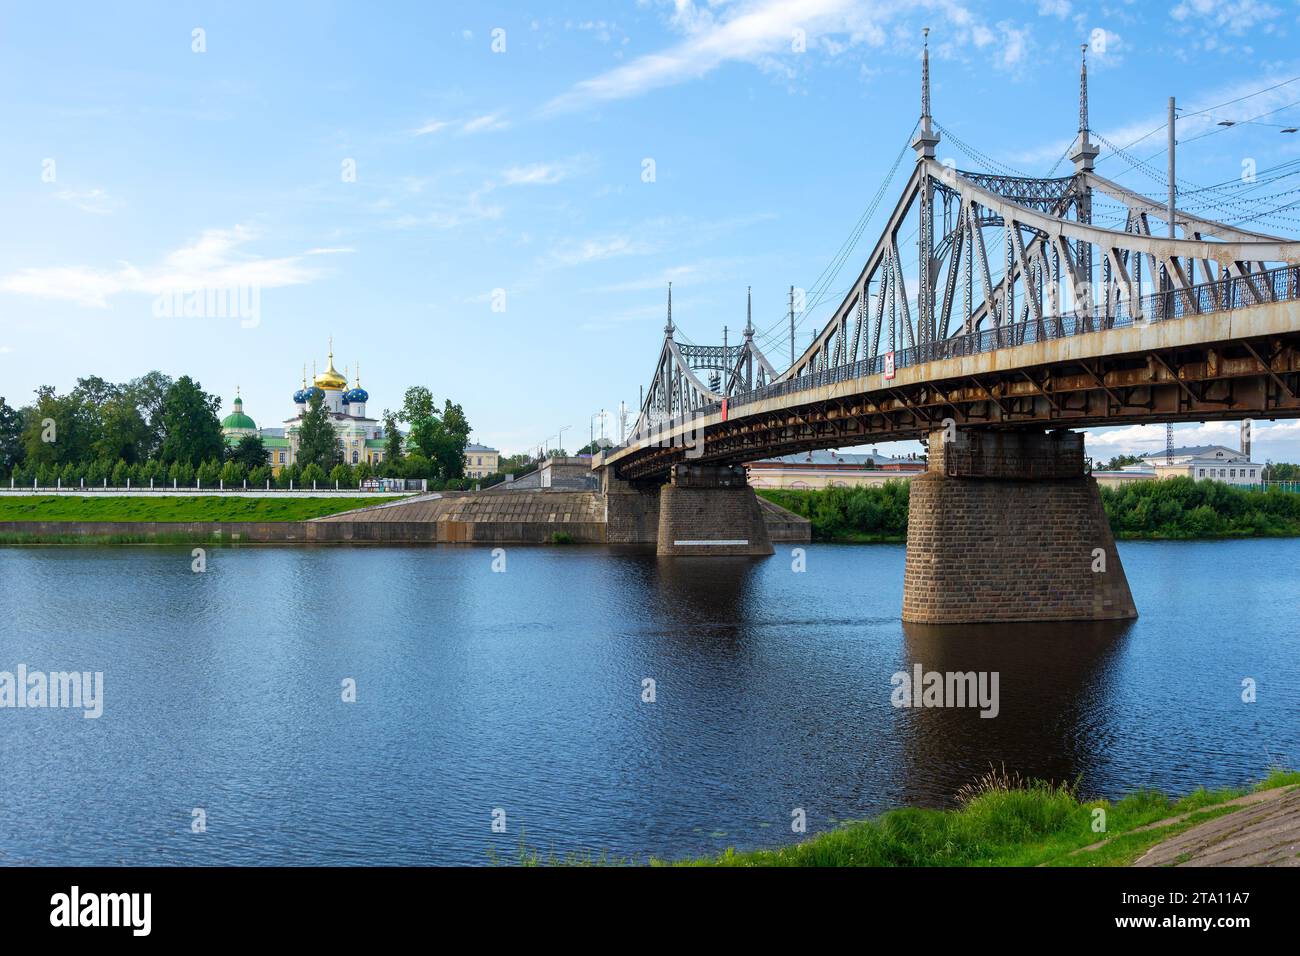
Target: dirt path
[(1264, 831)]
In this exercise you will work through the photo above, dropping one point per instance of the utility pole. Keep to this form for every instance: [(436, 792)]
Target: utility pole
[(1173, 187), (1169, 279), (792, 326)]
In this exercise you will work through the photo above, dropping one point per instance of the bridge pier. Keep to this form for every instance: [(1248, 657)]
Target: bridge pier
[(710, 510), (1007, 526)]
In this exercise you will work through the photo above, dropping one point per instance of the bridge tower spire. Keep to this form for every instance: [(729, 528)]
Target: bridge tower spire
[(1085, 151), (749, 313), (924, 143), (926, 138), (668, 329)]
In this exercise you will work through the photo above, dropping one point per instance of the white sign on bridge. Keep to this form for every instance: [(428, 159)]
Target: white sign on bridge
[(889, 365)]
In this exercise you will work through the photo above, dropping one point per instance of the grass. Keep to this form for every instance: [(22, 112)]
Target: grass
[(169, 508), (1000, 820)]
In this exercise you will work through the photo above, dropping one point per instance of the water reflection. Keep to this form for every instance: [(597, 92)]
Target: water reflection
[(1055, 684)]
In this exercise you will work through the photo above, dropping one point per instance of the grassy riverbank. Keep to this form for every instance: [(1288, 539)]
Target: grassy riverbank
[(1174, 509), (1003, 821), (163, 508), (1000, 820)]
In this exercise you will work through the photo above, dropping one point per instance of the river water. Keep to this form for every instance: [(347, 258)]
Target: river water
[(521, 697)]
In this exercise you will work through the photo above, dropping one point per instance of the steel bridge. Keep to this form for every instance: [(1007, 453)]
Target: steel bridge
[(1022, 313)]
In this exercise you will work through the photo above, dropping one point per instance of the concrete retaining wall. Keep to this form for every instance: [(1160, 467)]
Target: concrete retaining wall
[(530, 517)]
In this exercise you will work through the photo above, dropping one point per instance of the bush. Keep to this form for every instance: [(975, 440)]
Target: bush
[(233, 474), (313, 475), (342, 474)]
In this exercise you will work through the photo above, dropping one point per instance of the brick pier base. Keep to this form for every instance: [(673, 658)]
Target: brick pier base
[(710, 510), (1006, 526)]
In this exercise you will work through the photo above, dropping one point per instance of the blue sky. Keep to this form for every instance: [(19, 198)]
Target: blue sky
[(130, 163)]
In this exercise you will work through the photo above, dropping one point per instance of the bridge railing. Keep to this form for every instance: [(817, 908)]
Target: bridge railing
[(1274, 285)]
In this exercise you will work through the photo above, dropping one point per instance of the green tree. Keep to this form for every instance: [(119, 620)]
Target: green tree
[(233, 473), (313, 475), (191, 428), (290, 476), (119, 475), (317, 442), (208, 473), (453, 436), (419, 412), (149, 392), (394, 445), (11, 439), (250, 452), (58, 428), (342, 474), (258, 477), (123, 432), (362, 471)]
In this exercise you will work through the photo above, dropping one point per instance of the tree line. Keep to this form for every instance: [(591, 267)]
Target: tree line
[(1173, 508), (163, 430)]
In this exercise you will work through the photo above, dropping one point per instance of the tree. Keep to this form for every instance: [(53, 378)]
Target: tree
[(317, 442), (58, 428), (250, 452), (11, 439), (119, 475), (258, 477), (191, 429), (419, 412), (341, 474), (449, 451), (312, 474), (393, 443), (123, 432), (208, 473), (233, 473), (148, 392)]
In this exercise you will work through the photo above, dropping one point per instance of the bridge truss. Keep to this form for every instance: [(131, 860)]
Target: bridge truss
[(1000, 261)]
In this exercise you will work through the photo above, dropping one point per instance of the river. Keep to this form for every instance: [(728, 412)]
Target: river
[(521, 696)]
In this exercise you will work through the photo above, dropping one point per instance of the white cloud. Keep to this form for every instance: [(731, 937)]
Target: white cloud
[(480, 124), (213, 261), (581, 252), (95, 201), (536, 174), (1054, 8), (762, 32), (432, 126), (1231, 16), (474, 124), (754, 30)]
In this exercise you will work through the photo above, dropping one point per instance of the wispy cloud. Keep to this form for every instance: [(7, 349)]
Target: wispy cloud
[(95, 201), (767, 33), (213, 261), (535, 174), (1231, 16), (484, 123), (583, 251)]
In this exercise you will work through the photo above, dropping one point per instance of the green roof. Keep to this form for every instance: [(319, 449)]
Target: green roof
[(238, 420)]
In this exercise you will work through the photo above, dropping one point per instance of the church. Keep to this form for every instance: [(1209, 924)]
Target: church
[(360, 437)]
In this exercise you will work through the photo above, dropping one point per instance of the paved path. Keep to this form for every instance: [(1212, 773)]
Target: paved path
[(1264, 831)]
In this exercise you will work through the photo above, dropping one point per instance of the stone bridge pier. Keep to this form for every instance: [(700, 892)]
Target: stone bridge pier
[(702, 510), (1008, 526)]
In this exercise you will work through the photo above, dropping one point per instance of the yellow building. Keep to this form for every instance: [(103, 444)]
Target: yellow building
[(481, 461)]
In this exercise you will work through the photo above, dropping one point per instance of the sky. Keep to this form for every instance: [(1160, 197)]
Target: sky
[(489, 199)]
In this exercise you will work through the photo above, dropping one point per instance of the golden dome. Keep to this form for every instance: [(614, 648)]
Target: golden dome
[(330, 378)]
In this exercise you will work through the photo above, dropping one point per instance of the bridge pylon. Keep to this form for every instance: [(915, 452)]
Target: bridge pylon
[(1008, 526)]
